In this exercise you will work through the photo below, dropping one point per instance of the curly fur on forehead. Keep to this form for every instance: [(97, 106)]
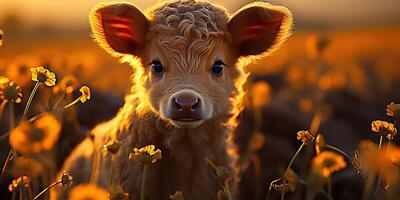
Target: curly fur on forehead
[(189, 19), (192, 28)]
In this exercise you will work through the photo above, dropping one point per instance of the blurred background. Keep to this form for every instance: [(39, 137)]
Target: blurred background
[(342, 65)]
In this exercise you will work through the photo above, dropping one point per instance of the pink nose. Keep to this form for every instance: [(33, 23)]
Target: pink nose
[(185, 106)]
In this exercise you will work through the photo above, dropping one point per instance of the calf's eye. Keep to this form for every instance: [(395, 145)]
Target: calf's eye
[(157, 68), (217, 68)]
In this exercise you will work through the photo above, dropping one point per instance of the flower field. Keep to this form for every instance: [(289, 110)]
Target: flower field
[(320, 120)]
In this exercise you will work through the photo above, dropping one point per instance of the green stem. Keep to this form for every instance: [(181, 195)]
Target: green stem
[(338, 150), (9, 156), (72, 103), (345, 155), (143, 187), (12, 125), (290, 165), (46, 189), (294, 157), (28, 104), (380, 143), (58, 101)]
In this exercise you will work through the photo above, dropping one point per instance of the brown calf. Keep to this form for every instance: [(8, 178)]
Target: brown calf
[(188, 60)]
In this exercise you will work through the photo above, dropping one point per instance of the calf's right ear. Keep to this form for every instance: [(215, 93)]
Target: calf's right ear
[(119, 28)]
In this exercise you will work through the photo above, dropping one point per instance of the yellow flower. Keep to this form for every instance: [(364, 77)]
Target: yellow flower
[(43, 75), (66, 179), (384, 128), (370, 159), (366, 158), (260, 94), (328, 162), (389, 160), (113, 146), (319, 143), (305, 137), (85, 94), (39, 136), (145, 155), (177, 196), (10, 91), (393, 110), (292, 179), (20, 182), (87, 192)]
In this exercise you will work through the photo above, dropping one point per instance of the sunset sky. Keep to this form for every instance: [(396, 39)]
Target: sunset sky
[(344, 13)]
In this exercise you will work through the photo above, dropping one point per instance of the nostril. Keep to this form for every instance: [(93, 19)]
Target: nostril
[(177, 104), (195, 105)]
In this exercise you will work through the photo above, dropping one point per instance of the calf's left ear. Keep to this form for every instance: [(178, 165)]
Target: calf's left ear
[(260, 28)]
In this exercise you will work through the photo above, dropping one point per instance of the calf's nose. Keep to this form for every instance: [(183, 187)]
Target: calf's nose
[(185, 106), (186, 103)]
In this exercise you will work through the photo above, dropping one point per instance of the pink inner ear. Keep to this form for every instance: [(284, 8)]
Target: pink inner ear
[(119, 33), (119, 27), (258, 29)]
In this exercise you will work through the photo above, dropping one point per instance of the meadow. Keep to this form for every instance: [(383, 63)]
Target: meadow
[(320, 120)]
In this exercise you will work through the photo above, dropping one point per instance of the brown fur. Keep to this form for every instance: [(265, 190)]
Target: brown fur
[(188, 36)]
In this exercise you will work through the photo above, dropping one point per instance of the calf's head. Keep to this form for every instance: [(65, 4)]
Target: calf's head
[(188, 57)]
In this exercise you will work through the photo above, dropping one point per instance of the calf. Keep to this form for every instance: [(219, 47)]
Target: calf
[(188, 60)]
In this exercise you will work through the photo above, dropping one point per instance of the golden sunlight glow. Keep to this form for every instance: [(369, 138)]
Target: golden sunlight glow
[(238, 96)]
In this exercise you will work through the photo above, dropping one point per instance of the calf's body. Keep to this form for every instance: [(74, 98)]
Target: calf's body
[(188, 62)]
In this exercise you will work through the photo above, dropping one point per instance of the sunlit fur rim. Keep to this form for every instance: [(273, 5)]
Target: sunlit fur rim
[(137, 77), (284, 33), (237, 100)]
